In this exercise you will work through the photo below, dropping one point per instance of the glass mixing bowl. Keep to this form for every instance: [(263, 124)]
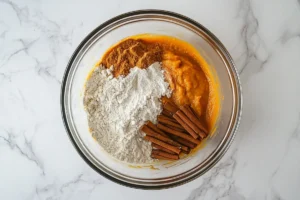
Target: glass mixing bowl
[(162, 174)]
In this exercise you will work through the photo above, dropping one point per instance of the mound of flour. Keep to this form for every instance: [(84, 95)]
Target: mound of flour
[(118, 107)]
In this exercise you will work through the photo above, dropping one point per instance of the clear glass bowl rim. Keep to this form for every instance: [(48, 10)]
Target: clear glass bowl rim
[(228, 138)]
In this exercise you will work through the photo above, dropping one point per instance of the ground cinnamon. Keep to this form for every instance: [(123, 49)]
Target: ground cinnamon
[(131, 53)]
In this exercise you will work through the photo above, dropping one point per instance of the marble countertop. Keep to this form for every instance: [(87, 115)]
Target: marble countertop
[(37, 160)]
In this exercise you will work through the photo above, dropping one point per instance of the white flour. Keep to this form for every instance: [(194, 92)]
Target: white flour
[(118, 107)]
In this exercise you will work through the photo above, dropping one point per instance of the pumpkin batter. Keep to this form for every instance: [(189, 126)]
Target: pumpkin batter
[(189, 76)]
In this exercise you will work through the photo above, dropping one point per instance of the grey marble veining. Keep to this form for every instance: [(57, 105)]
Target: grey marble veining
[(37, 37)]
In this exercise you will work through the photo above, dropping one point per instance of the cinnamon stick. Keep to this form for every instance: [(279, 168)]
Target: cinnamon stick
[(166, 113), (177, 133), (190, 113), (186, 125), (163, 144), (190, 123), (159, 157), (167, 118), (173, 104), (162, 148), (174, 143), (153, 127), (177, 144), (177, 129), (191, 110), (164, 154), (156, 135), (184, 142), (170, 107), (166, 121), (186, 152)]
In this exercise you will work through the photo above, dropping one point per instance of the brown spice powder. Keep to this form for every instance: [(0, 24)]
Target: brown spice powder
[(131, 53)]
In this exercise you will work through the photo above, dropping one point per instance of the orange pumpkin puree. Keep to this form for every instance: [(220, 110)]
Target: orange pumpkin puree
[(190, 77)]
